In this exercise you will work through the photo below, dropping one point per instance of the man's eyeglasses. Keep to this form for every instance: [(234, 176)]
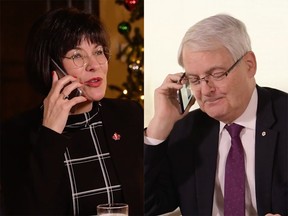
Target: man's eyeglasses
[(216, 76), (80, 57)]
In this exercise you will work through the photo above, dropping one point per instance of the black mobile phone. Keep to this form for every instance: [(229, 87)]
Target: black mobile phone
[(61, 73), (184, 94)]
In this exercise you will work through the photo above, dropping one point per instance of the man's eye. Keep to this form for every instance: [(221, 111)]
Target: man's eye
[(194, 80), (218, 74)]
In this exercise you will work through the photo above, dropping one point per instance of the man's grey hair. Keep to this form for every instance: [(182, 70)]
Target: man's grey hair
[(215, 32)]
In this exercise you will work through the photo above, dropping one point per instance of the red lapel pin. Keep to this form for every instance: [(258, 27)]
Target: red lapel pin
[(116, 136)]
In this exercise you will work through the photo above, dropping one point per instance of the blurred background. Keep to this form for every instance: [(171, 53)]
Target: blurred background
[(122, 18)]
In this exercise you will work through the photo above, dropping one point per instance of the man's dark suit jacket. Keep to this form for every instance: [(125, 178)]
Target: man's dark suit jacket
[(125, 117), (181, 171)]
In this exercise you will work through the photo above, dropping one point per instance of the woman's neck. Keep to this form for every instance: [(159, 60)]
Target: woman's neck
[(81, 108)]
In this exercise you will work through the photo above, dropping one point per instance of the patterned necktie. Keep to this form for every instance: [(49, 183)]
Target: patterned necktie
[(234, 189)]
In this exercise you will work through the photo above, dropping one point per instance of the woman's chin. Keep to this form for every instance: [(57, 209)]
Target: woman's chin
[(97, 97)]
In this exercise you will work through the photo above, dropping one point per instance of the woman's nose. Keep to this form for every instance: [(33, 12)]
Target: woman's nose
[(92, 63)]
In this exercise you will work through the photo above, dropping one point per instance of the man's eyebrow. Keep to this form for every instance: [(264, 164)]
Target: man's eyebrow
[(209, 71)]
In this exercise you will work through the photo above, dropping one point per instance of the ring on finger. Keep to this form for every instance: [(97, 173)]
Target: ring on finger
[(65, 97)]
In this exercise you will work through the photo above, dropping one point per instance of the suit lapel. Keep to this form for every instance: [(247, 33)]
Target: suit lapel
[(205, 177), (264, 150)]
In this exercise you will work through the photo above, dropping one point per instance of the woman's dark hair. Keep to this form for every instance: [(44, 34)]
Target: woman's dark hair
[(53, 35)]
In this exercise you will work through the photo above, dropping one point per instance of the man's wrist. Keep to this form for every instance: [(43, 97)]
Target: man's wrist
[(149, 140)]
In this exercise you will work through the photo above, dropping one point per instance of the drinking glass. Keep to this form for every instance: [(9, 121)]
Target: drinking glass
[(113, 209)]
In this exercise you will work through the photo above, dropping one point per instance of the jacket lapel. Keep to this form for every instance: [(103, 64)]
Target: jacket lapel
[(264, 150), (123, 143), (205, 177)]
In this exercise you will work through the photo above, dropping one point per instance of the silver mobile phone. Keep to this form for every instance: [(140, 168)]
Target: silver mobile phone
[(184, 94), (61, 73)]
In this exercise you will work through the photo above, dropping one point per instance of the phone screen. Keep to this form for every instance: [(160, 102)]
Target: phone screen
[(61, 73), (185, 94)]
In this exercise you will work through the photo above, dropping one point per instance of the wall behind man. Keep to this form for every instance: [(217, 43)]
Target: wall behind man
[(166, 22)]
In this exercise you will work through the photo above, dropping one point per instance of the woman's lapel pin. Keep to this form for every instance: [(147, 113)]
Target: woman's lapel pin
[(116, 136)]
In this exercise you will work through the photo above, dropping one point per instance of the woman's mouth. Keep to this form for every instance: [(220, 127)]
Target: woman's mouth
[(94, 82)]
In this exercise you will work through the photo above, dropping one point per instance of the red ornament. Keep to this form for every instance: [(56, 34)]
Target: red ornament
[(130, 4)]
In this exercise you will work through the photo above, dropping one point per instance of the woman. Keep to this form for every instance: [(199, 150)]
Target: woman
[(76, 150)]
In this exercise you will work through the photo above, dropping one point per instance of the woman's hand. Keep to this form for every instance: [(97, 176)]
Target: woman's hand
[(57, 105), (167, 109)]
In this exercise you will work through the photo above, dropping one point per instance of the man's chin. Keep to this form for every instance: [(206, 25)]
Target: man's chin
[(215, 112)]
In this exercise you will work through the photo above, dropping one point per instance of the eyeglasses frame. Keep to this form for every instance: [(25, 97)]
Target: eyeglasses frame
[(221, 77), (85, 63)]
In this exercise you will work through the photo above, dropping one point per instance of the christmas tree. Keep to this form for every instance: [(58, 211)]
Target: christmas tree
[(132, 53)]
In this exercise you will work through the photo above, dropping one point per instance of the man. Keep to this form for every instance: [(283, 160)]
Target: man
[(186, 156)]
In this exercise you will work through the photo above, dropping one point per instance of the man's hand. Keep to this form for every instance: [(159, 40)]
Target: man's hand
[(167, 110)]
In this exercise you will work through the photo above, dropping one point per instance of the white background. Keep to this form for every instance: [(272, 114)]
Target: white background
[(166, 22)]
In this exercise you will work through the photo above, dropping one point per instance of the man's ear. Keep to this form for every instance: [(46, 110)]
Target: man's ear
[(251, 63)]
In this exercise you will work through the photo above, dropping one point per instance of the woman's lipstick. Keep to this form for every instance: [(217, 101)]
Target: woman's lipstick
[(94, 82)]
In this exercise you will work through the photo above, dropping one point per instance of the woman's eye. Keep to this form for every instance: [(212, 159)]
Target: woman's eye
[(76, 56), (99, 52)]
